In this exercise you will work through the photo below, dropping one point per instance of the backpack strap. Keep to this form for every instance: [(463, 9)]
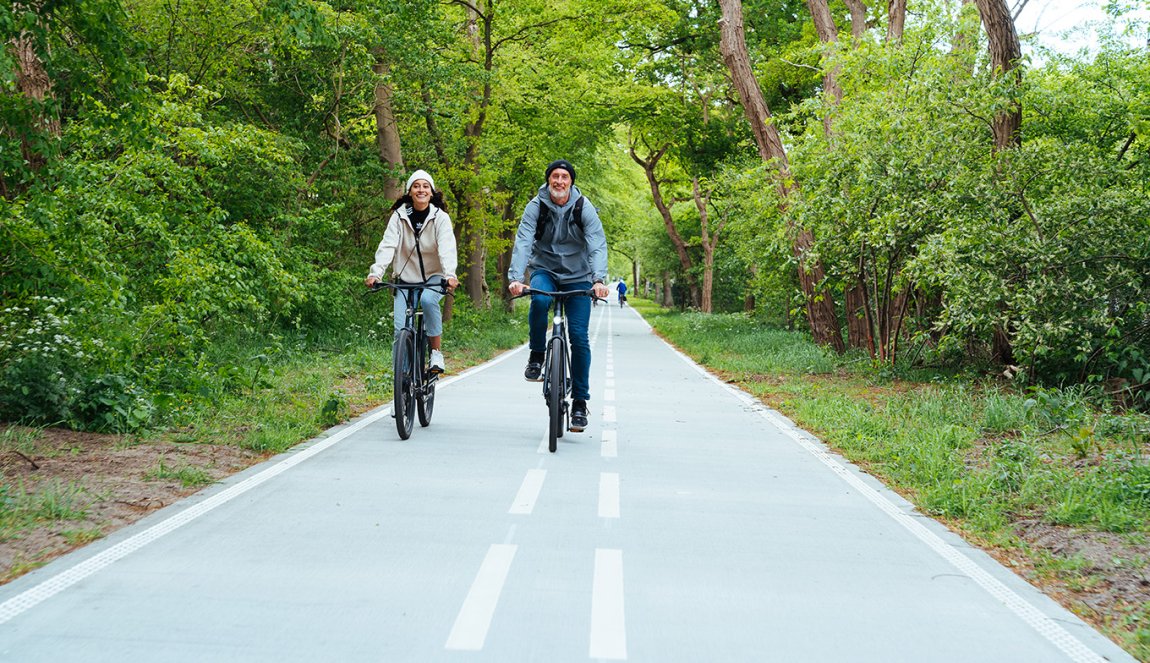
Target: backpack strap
[(545, 216)]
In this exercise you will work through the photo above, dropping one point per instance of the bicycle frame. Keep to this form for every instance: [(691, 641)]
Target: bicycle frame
[(415, 382), (559, 331), (554, 394)]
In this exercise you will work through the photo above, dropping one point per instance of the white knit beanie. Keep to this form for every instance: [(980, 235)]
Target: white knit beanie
[(419, 175)]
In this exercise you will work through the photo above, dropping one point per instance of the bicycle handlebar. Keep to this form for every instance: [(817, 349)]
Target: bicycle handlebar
[(437, 286), (566, 294)]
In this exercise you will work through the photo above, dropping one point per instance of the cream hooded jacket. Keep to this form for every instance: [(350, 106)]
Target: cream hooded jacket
[(397, 249)]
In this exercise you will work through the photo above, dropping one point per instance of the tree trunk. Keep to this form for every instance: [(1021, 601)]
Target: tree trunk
[(387, 130), (668, 294), (34, 84), (820, 305), (828, 33), (1005, 52), (705, 304), (733, 45), (896, 9), (858, 18), (749, 297), (668, 221), (858, 330), (504, 260)]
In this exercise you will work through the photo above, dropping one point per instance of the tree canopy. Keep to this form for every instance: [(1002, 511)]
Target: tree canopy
[(175, 174)]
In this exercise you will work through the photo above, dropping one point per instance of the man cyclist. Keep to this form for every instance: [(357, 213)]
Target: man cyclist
[(567, 251), (622, 288)]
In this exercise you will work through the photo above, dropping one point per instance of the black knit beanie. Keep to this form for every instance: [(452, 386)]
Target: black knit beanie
[(560, 163)]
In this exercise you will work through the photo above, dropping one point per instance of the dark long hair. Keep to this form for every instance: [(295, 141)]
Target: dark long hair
[(405, 199)]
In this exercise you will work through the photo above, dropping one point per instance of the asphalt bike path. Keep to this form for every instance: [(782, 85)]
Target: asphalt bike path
[(687, 523)]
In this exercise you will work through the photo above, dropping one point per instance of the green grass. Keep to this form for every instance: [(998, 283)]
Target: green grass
[(189, 477), (280, 391), (21, 508)]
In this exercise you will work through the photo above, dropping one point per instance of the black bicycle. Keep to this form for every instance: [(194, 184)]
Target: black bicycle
[(557, 363), (414, 390)]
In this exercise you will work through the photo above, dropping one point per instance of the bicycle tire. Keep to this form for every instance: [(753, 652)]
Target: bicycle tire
[(403, 371), (425, 402), (557, 371)]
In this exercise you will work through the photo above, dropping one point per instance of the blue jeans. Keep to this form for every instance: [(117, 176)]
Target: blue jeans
[(578, 319), (432, 314)]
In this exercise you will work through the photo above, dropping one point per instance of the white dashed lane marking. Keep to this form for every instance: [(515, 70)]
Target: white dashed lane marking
[(608, 630), (610, 447), (528, 493), (474, 619), (608, 495)]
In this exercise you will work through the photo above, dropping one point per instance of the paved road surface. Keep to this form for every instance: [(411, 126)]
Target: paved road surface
[(688, 523)]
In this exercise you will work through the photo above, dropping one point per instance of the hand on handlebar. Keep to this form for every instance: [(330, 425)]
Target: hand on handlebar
[(516, 288), (371, 281), (600, 290)]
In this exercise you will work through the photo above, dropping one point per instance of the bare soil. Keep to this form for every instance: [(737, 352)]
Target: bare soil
[(108, 481)]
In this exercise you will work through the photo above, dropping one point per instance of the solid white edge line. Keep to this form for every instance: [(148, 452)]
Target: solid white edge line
[(1035, 618), (525, 499), (608, 628), (55, 584), (474, 618)]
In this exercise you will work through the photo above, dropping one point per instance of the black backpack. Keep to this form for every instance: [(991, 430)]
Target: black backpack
[(545, 216)]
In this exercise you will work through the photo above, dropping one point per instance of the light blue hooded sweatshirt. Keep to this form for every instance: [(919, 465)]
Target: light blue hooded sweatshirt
[(571, 255)]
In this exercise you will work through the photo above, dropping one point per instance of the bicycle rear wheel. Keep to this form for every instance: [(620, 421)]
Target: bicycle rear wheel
[(403, 371), (426, 397), (557, 370)]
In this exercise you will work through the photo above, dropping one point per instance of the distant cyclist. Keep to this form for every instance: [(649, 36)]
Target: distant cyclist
[(561, 239), (622, 288), (419, 244)]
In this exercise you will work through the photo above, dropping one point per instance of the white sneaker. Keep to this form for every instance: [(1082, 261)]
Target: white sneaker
[(437, 365)]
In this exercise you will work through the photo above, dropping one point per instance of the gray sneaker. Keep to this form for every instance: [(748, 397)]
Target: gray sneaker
[(437, 365)]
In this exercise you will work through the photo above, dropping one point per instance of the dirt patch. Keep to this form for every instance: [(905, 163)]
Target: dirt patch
[(1108, 573), (95, 484)]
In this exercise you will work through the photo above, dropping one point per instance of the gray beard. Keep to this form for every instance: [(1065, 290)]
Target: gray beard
[(556, 195)]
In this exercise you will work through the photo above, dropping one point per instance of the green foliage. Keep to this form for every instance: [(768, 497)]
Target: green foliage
[(1047, 242)]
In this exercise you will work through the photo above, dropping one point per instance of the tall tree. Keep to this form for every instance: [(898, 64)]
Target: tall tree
[(1005, 52), (820, 305), (710, 239)]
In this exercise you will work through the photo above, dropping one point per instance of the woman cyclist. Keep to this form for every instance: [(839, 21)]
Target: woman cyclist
[(419, 244)]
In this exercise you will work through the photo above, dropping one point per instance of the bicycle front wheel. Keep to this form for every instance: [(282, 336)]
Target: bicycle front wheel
[(403, 370), (426, 398), (557, 370)]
